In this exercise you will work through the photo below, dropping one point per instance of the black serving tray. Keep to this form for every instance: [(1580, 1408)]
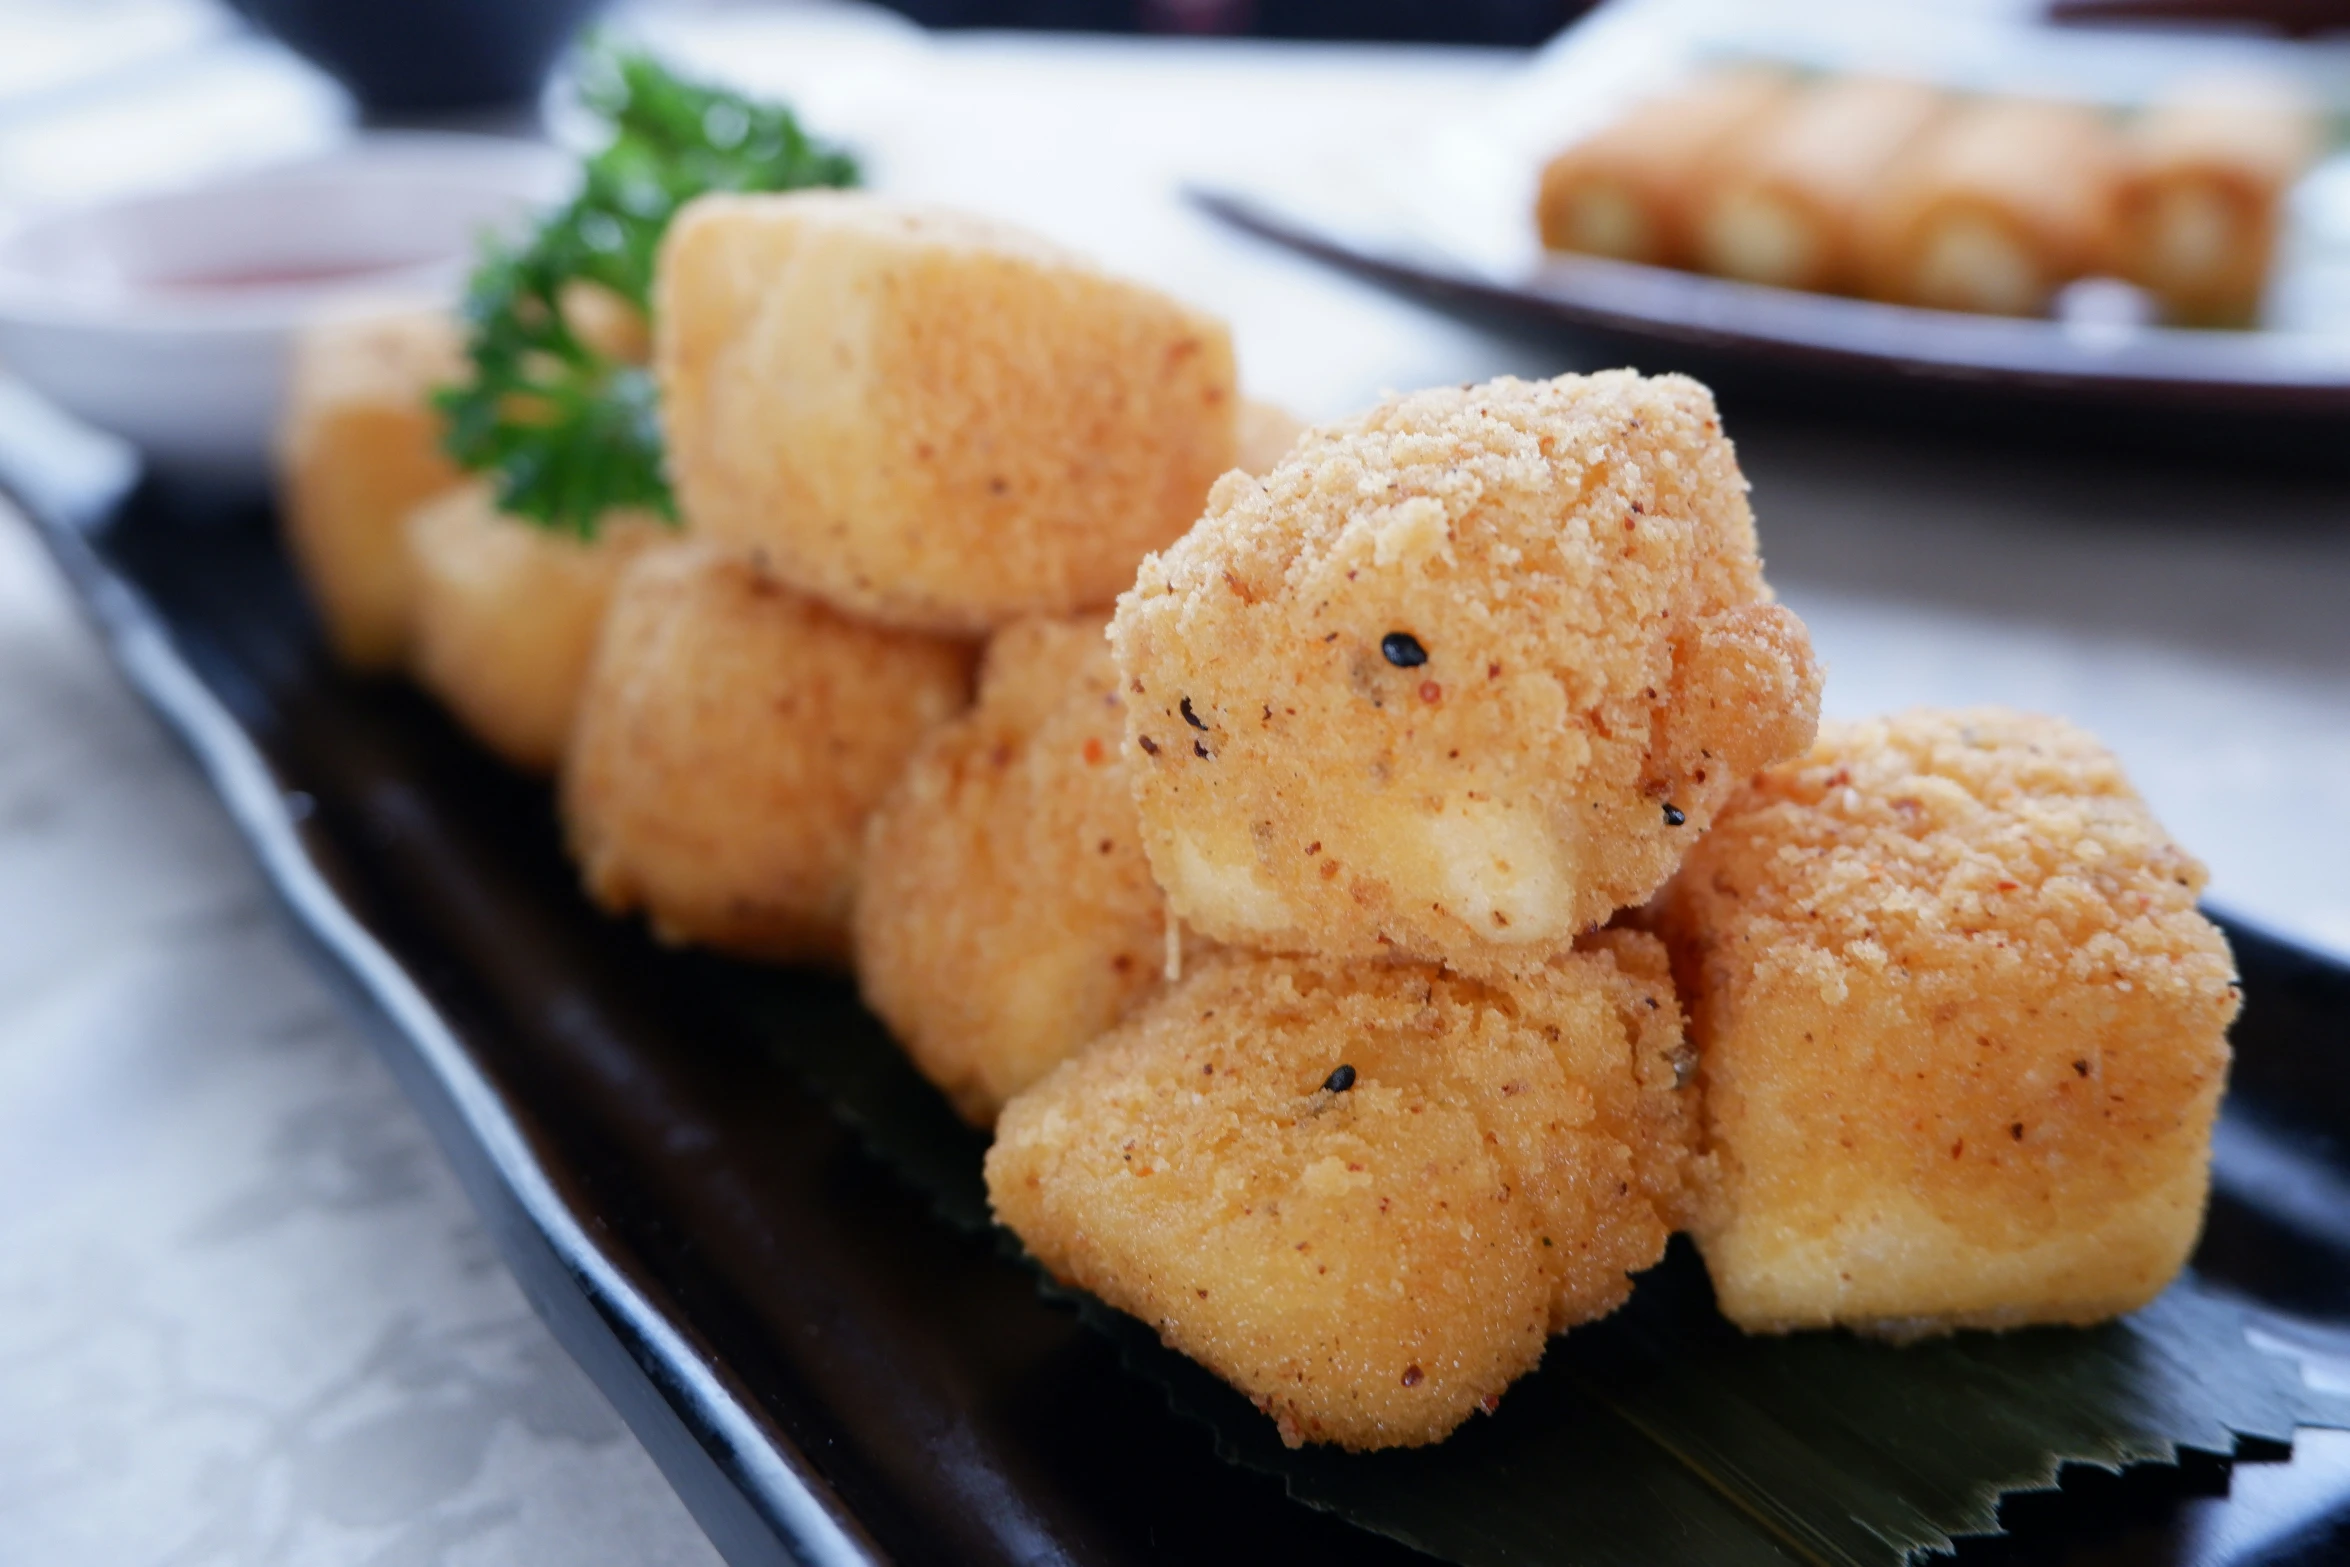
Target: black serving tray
[(826, 1371)]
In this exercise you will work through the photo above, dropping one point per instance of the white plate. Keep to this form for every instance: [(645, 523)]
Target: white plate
[(166, 318)]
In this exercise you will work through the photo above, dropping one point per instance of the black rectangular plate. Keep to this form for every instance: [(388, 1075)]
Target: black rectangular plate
[(826, 1371)]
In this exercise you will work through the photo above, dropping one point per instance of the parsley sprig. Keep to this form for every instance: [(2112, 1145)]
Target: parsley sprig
[(565, 431)]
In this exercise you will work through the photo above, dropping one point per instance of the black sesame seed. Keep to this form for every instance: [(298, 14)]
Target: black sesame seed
[(1341, 1078), (1674, 816), (1149, 746), (1191, 717), (1403, 650), (1201, 752)]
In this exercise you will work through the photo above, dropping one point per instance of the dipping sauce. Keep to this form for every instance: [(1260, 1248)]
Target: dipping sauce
[(302, 275)]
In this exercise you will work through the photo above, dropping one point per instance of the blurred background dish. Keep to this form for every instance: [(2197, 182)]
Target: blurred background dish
[(422, 55), (1959, 217), (166, 317)]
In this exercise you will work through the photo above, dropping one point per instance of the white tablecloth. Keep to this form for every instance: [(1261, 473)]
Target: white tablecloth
[(245, 1315)]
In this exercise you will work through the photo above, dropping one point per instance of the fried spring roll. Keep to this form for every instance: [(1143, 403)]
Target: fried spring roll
[(2204, 183), (1785, 208), (1630, 190), (1995, 209)]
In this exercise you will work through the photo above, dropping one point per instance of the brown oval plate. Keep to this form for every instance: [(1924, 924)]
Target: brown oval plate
[(1447, 218), (2272, 398)]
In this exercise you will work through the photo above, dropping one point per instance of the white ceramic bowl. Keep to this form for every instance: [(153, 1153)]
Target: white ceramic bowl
[(167, 318)]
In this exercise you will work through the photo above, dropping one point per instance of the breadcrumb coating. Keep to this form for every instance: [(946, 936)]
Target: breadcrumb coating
[(1008, 916), (360, 448), (506, 614), (1364, 1194), (1460, 677), (1963, 1032), (933, 420), (732, 738)]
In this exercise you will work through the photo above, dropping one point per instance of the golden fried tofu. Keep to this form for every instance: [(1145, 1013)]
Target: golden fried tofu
[(732, 737), (1008, 916), (359, 449), (506, 614), (605, 322), (1962, 1031), (935, 421), (1460, 677), (1364, 1194)]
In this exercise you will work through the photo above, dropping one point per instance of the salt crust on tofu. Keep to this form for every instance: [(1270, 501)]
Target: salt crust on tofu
[(1962, 1031), (1369, 1258), (359, 449), (506, 614), (732, 739), (933, 420), (1007, 916), (1460, 677)]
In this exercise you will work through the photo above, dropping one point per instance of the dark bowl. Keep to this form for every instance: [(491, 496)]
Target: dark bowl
[(426, 54)]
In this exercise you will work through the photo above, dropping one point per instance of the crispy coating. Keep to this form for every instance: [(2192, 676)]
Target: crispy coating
[(1587, 653), (1369, 1265), (506, 614), (937, 421), (733, 736), (1007, 916), (1963, 1032), (360, 448)]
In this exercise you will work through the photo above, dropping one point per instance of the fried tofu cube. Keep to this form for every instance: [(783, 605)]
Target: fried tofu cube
[(506, 616), (1008, 916), (932, 420), (732, 739), (1961, 1029), (1460, 677), (1364, 1194), (360, 448)]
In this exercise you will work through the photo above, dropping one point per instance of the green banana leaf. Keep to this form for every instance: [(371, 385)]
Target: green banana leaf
[(1662, 1436)]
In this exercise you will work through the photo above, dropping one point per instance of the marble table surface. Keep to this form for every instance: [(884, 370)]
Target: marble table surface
[(245, 1315)]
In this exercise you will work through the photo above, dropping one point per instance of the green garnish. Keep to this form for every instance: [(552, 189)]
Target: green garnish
[(567, 431)]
